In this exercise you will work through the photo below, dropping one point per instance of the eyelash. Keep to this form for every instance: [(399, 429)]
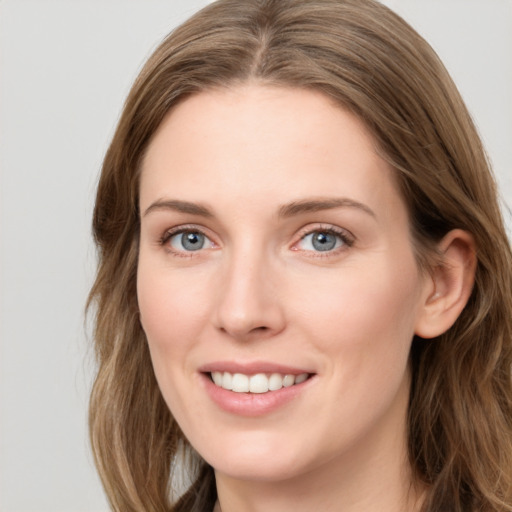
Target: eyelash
[(346, 238), (168, 235)]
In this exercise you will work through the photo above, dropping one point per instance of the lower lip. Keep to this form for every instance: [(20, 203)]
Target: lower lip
[(253, 404)]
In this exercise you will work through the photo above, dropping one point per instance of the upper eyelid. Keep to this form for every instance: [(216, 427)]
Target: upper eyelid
[(183, 228), (330, 228), (186, 227)]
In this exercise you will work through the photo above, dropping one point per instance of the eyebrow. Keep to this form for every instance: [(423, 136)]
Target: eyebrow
[(179, 206), (285, 211), (316, 205)]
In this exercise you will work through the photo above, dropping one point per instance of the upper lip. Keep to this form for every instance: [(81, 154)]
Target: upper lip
[(252, 368)]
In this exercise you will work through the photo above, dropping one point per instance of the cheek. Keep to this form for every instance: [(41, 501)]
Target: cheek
[(170, 317), (172, 307), (367, 313), (364, 326)]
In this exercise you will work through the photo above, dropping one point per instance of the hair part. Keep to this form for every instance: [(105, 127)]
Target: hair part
[(369, 61)]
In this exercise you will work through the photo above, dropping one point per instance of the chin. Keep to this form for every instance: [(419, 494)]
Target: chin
[(258, 457), (258, 470)]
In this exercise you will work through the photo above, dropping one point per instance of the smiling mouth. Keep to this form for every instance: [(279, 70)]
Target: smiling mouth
[(258, 383)]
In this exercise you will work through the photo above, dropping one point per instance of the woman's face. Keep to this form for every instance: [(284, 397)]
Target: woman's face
[(275, 258)]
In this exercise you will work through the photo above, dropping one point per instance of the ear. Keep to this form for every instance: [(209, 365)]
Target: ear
[(450, 287)]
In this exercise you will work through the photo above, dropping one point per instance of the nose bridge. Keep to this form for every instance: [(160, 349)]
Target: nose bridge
[(248, 303)]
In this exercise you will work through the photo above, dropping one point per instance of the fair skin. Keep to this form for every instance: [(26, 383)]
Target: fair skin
[(274, 240)]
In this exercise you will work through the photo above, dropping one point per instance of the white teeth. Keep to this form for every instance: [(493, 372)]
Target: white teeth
[(289, 380), (217, 378), (301, 378), (240, 383), (227, 380), (275, 382), (258, 383)]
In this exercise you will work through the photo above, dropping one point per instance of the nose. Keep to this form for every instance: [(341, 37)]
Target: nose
[(249, 303)]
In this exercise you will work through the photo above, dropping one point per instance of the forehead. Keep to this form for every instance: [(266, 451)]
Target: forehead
[(257, 141)]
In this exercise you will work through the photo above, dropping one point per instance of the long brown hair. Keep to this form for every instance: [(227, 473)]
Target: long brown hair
[(366, 58)]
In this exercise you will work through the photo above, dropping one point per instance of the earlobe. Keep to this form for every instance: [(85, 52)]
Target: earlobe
[(451, 286)]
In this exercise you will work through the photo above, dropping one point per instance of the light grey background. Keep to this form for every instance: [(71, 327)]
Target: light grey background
[(65, 69)]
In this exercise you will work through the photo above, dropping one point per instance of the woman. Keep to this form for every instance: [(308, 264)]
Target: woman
[(303, 293)]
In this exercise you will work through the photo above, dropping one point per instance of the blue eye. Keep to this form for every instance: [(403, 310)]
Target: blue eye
[(189, 241), (322, 241)]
